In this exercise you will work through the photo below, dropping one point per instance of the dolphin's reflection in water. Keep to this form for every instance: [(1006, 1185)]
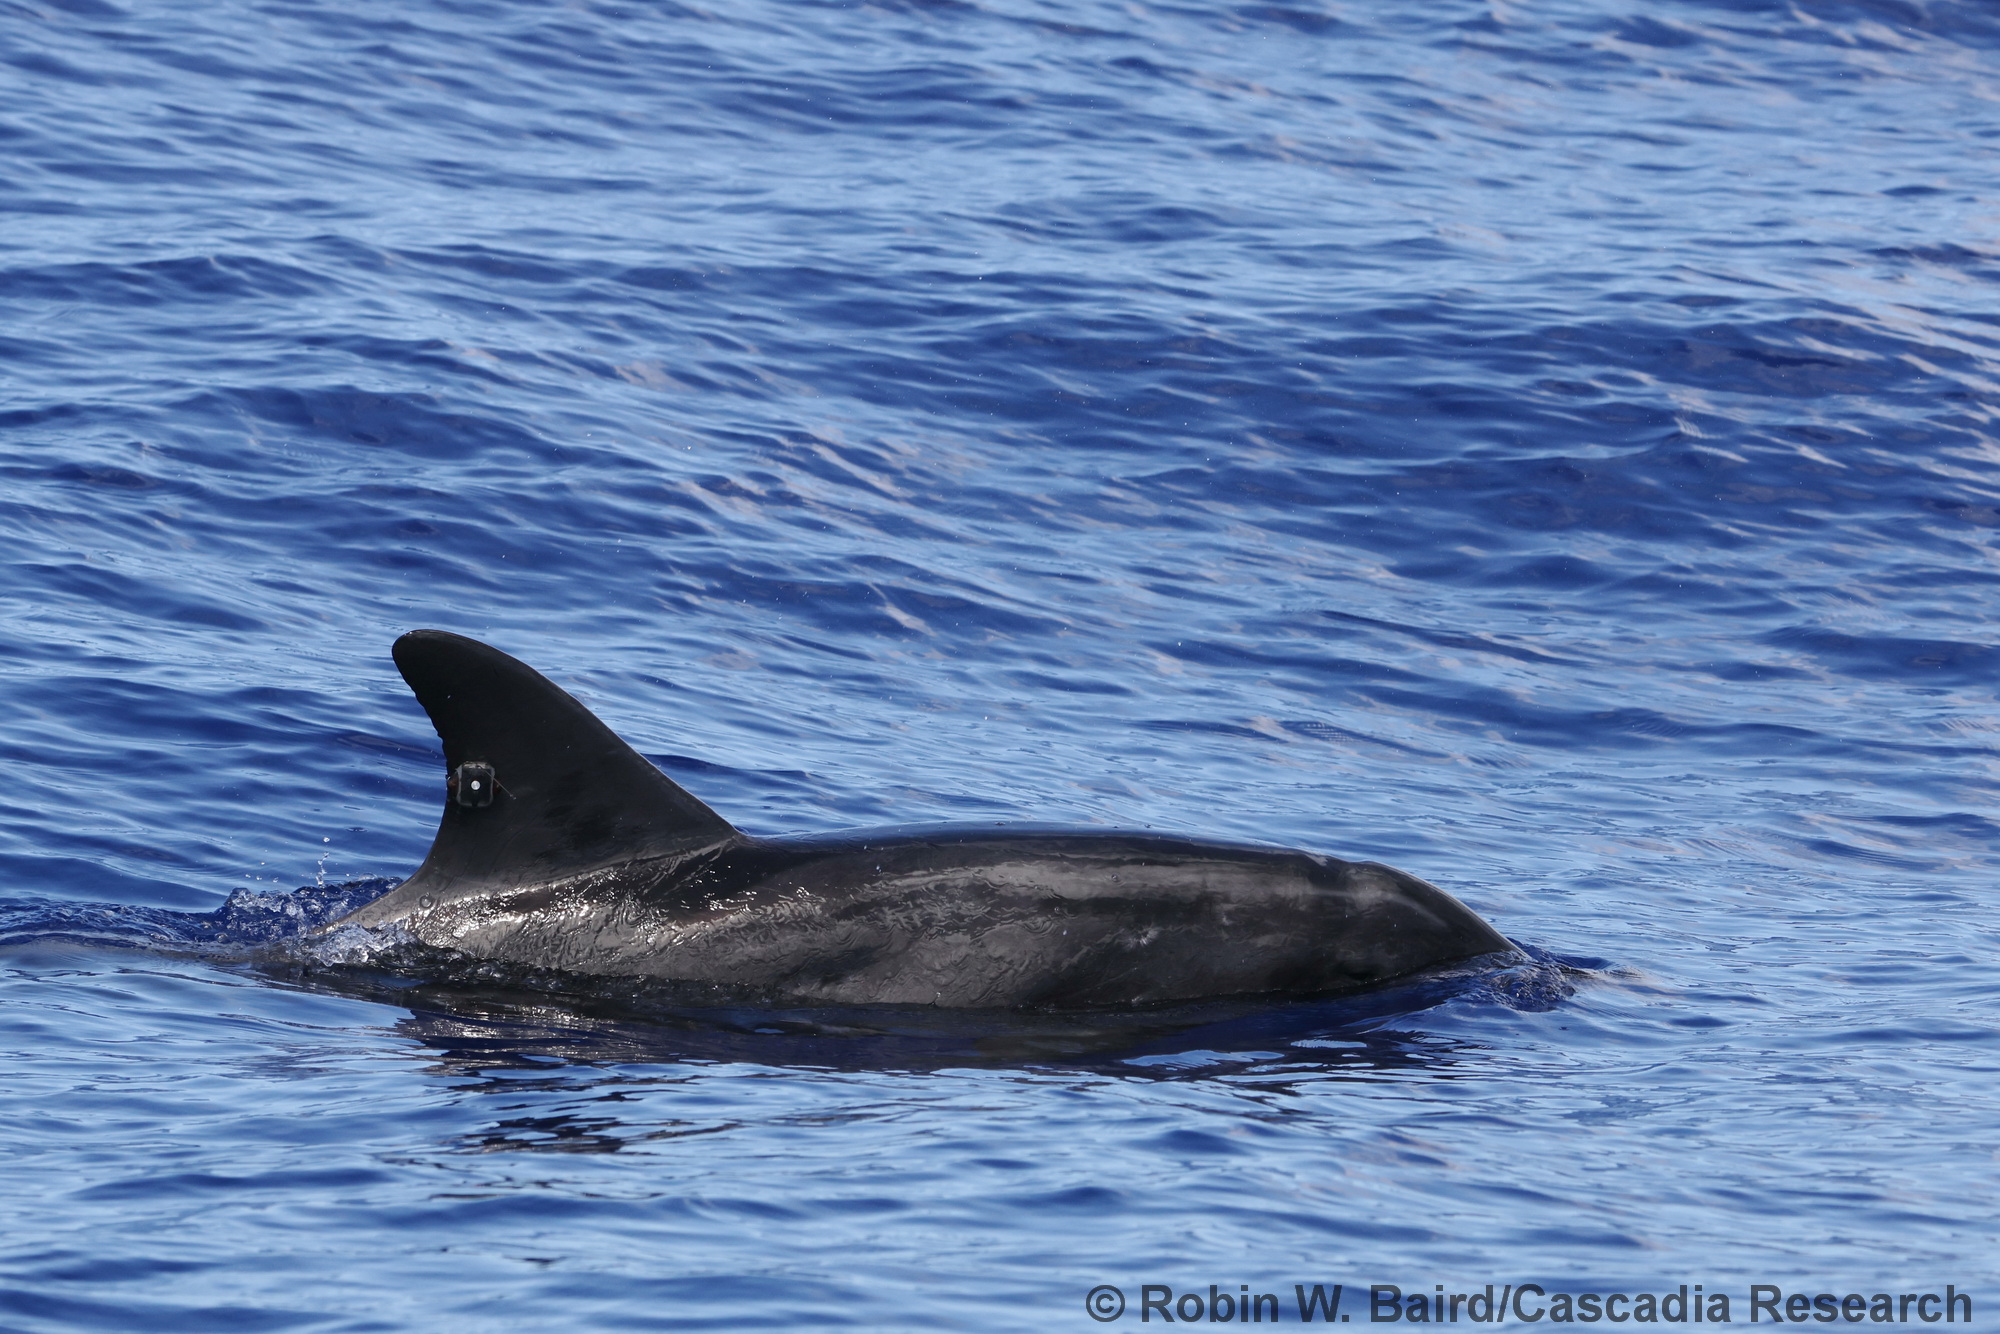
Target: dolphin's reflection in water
[(501, 1025), (570, 1052)]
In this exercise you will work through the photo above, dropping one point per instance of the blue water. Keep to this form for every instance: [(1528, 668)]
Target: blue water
[(1549, 447)]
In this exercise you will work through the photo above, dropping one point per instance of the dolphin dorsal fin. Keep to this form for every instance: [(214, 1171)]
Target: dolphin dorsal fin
[(537, 788)]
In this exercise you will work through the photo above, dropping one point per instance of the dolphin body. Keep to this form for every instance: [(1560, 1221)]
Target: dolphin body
[(562, 847)]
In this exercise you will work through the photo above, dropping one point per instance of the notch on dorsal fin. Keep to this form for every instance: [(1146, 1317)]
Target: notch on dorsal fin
[(537, 788)]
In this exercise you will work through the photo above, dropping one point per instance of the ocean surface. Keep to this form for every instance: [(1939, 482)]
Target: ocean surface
[(1546, 445)]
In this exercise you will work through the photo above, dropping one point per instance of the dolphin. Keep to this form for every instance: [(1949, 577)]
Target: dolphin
[(561, 847)]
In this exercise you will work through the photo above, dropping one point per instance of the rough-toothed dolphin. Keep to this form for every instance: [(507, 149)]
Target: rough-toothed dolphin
[(562, 847)]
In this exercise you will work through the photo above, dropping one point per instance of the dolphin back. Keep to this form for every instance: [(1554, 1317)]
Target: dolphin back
[(536, 788), (562, 847)]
